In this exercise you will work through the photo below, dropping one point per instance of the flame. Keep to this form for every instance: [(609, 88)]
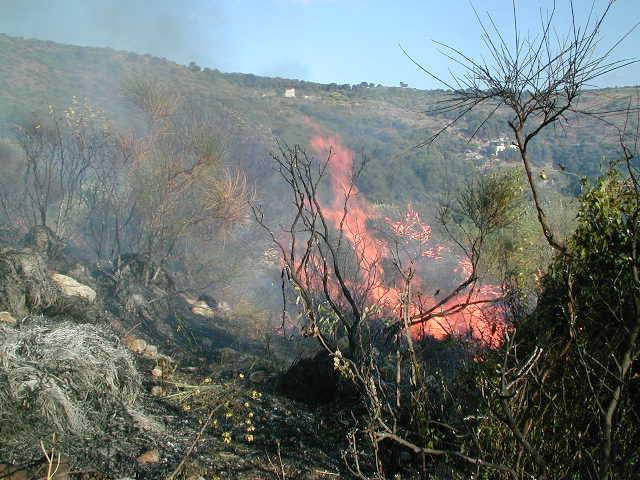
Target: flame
[(473, 314)]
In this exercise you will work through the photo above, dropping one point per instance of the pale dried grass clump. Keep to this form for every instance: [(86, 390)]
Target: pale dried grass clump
[(71, 379), (24, 283)]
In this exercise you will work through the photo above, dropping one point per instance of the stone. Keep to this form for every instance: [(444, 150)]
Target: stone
[(149, 457), (157, 391), (151, 351), (201, 308), (137, 300), (136, 345), (7, 319), (72, 288)]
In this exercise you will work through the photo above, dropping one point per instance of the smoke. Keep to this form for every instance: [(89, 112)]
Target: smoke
[(163, 29)]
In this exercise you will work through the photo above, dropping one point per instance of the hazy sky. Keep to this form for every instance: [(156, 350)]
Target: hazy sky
[(343, 41)]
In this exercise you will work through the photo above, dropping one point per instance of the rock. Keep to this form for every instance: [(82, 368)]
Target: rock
[(149, 457), (156, 372), (72, 288), (7, 319), (137, 300), (157, 391), (151, 351), (201, 308), (136, 345), (208, 299)]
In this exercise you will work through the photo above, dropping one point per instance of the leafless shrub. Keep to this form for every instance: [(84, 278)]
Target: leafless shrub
[(538, 80)]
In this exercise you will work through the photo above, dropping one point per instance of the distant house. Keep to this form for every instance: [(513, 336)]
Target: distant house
[(501, 144), (404, 85), (289, 92)]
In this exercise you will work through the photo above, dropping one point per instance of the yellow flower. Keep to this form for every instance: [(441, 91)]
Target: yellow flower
[(256, 395), (249, 438), (226, 437), (228, 414), (246, 404), (241, 376), (186, 408), (250, 415)]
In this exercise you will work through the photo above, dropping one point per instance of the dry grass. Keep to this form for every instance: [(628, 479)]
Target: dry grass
[(61, 378)]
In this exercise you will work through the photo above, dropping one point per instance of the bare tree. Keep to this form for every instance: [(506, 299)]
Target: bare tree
[(59, 151), (538, 80), (174, 189), (315, 255), (335, 282)]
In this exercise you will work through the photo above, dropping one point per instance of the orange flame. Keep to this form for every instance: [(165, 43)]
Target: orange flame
[(473, 313)]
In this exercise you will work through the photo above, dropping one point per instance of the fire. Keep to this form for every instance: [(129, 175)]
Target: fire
[(470, 313)]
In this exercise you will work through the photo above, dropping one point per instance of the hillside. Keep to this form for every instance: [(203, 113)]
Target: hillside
[(385, 123)]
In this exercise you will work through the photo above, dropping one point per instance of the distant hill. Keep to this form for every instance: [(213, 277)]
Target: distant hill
[(385, 123)]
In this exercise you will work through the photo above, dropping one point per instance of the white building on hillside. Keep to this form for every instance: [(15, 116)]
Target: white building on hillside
[(289, 92)]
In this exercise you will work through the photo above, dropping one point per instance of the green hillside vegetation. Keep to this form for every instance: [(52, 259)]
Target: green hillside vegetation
[(386, 122)]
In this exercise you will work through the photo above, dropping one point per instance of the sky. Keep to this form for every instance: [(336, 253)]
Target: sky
[(342, 41)]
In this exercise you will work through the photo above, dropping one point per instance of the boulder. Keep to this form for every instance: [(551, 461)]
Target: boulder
[(157, 391), (203, 309), (72, 288), (7, 319), (227, 355), (151, 351), (136, 345)]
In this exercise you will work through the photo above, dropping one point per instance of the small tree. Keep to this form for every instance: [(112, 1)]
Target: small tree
[(59, 151), (538, 81), (179, 191)]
